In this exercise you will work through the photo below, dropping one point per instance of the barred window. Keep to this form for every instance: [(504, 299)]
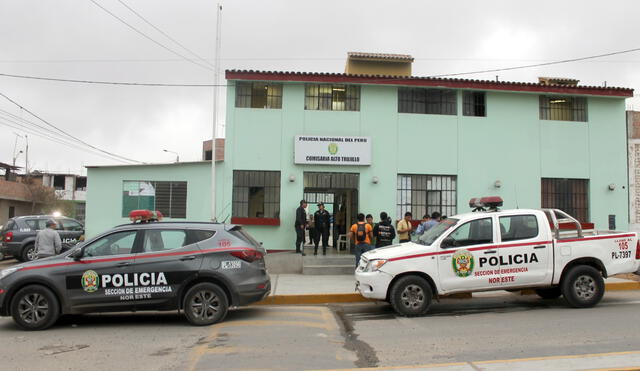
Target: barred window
[(563, 108), (429, 101), (256, 194), (474, 103), (328, 97), (568, 195), (258, 95), (424, 194), (170, 198)]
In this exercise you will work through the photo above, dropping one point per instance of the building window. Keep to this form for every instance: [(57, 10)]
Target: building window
[(424, 194), (429, 101), (256, 194), (328, 97), (474, 103), (563, 108), (258, 95), (170, 198), (81, 183), (568, 195), (58, 182)]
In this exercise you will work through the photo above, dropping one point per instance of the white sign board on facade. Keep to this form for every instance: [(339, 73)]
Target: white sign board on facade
[(332, 150)]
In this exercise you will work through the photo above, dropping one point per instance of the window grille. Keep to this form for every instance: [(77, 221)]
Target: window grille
[(258, 95), (474, 103), (568, 195), (256, 194), (427, 101), (328, 97), (563, 108), (424, 194)]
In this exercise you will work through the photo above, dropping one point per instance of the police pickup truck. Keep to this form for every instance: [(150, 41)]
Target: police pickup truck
[(546, 250)]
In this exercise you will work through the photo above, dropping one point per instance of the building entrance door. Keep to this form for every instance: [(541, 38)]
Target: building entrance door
[(339, 193)]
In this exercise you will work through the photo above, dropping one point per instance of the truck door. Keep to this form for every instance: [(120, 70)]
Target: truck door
[(464, 248), (525, 251)]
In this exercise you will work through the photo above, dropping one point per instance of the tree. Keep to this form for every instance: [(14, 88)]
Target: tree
[(44, 196)]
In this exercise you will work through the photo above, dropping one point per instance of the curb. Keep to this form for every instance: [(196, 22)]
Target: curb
[(309, 299)]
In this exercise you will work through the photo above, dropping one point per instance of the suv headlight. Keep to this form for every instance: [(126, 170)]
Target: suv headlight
[(375, 264), (8, 271)]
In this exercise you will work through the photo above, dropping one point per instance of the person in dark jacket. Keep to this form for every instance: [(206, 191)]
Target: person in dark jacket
[(322, 220), (301, 224), (383, 232)]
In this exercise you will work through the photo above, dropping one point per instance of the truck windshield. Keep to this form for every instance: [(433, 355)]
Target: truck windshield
[(433, 233)]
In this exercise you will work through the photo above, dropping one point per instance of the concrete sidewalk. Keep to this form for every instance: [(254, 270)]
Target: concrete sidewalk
[(308, 289)]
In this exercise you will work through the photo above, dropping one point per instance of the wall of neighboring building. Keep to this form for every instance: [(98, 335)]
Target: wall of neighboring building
[(105, 191), (633, 143), (19, 208), (378, 67)]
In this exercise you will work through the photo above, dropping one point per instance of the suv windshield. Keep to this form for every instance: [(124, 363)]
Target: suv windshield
[(433, 233)]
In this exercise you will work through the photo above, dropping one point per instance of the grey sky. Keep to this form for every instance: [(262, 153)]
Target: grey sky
[(75, 39)]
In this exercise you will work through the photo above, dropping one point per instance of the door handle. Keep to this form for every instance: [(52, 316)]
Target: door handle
[(188, 257), (540, 247), (123, 264), (490, 252)]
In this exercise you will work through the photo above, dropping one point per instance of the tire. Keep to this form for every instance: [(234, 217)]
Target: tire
[(200, 294), (411, 296), (582, 286), (549, 293), (28, 253), (34, 308)]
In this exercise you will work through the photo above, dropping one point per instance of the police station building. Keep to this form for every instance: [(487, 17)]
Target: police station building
[(376, 138)]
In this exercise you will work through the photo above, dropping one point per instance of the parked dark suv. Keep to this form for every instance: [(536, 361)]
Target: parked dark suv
[(19, 234), (199, 268)]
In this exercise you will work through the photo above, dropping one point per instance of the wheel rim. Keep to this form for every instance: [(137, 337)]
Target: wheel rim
[(205, 305), (31, 253), (33, 308), (412, 296), (585, 287)]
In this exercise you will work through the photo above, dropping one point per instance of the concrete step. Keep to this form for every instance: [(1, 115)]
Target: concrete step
[(328, 260), (321, 270)]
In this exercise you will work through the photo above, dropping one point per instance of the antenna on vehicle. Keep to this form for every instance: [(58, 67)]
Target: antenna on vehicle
[(515, 189), (225, 219)]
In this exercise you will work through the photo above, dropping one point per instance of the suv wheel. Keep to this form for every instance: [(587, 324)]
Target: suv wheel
[(583, 286), (411, 296), (29, 253), (35, 307), (205, 304)]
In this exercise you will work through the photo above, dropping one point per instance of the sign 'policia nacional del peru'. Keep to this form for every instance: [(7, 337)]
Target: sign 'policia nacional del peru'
[(332, 150)]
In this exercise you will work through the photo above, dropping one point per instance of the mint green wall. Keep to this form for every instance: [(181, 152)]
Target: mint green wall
[(104, 191)]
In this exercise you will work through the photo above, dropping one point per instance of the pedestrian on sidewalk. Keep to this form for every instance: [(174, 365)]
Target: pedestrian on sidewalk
[(301, 224), (404, 228), (435, 220), (362, 234), (369, 220), (383, 232), (421, 227), (48, 241), (322, 220)]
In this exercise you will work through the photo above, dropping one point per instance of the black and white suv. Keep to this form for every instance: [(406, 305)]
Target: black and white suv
[(200, 268), (19, 234)]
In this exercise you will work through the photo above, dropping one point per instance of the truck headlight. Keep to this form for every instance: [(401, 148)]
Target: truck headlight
[(376, 264), (8, 271)]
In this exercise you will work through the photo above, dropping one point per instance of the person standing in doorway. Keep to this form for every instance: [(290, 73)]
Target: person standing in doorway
[(48, 241), (362, 234), (301, 224), (383, 232), (404, 228), (322, 220)]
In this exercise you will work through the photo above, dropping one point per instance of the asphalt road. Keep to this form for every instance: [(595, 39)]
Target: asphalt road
[(462, 334)]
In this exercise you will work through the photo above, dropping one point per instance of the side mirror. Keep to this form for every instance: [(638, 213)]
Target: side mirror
[(77, 254), (447, 242)]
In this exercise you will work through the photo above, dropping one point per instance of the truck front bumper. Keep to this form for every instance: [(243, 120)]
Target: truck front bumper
[(373, 285)]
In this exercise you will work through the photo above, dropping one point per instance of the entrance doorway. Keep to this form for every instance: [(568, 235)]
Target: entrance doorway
[(339, 192)]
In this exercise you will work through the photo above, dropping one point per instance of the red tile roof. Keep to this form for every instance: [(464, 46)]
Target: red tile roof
[(394, 57), (324, 77)]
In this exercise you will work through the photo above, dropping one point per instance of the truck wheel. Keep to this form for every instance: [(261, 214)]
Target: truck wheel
[(35, 307), (411, 296), (205, 304), (583, 286), (29, 253), (549, 293)]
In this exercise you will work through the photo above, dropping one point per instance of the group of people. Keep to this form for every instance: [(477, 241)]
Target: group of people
[(364, 233)]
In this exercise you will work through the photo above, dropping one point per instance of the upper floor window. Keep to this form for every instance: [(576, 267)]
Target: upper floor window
[(332, 97), (429, 101), (474, 103), (563, 108), (258, 95)]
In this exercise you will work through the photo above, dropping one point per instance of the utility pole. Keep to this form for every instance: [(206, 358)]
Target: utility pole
[(26, 156), (15, 145), (216, 82)]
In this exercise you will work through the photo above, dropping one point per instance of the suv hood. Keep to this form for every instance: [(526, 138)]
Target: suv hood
[(398, 250)]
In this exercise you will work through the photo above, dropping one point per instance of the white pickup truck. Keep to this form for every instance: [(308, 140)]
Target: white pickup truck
[(546, 250)]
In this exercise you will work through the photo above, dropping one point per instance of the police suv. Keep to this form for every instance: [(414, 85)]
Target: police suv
[(546, 250), (200, 268)]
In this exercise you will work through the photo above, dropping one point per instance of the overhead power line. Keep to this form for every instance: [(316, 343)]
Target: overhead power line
[(149, 37), (108, 82), (165, 34), (67, 134)]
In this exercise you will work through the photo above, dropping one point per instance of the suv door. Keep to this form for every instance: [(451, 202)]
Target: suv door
[(70, 232), (103, 279), (166, 258), (465, 265)]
